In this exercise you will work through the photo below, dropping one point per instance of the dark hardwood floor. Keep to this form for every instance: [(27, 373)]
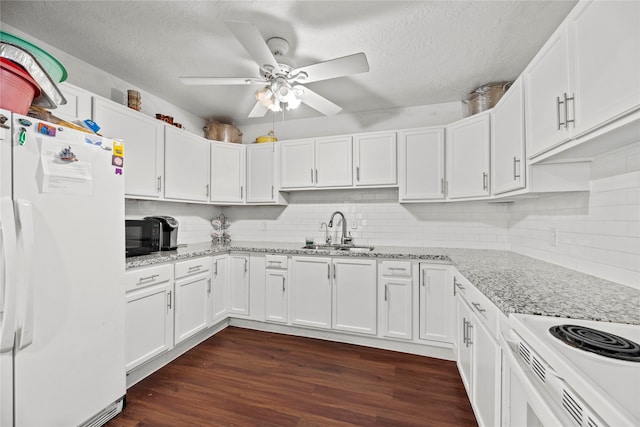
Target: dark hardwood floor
[(241, 377)]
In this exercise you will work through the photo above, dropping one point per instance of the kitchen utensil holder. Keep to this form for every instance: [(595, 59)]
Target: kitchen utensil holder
[(220, 234)]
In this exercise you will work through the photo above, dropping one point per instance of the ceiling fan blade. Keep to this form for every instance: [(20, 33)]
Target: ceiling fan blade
[(347, 65), (191, 81), (258, 110), (317, 102), (253, 42)]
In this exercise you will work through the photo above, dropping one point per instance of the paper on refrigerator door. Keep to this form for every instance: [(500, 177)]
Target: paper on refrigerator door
[(64, 170)]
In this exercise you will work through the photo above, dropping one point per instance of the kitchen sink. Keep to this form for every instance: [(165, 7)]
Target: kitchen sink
[(346, 248)]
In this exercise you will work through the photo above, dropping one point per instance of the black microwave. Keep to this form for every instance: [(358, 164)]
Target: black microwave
[(142, 236)]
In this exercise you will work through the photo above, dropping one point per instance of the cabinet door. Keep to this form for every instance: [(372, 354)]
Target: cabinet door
[(78, 104), (219, 288), (276, 296), (297, 164), (485, 372), (468, 147), (311, 292), (375, 159), (397, 314), (192, 306), (606, 45), (507, 142), (143, 142), (546, 80), (334, 162), (186, 166), (148, 323), (260, 173), (227, 172), (355, 295), (239, 284), (421, 174), (436, 304), (463, 341)]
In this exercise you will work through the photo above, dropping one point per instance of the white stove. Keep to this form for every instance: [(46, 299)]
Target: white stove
[(578, 386)]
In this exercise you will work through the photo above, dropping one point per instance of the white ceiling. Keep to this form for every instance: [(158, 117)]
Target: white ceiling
[(419, 52)]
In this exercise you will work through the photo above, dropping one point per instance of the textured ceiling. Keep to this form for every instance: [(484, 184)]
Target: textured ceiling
[(419, 52)]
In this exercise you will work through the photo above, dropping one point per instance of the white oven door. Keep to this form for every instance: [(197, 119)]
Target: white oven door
[(524, 403)]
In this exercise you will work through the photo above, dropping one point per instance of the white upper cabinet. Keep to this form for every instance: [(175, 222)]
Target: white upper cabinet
[(375, 159), (507, 142), (297, 164), (78, 104), (334, 162), (143, 139), (421, 170), (467, 152), (585, 75), (261, 185), (186, 165), (227, 172), (321, 162), (606, 50)]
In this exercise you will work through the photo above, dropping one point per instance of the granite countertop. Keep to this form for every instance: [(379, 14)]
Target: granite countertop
[(514, 283)]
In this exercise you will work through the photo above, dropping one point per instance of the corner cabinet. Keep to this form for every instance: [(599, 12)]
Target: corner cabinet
[(219, 288), (585, 76), (375, 159), (467, 152), (507, 142), (227, 172), (239, 284), (421, 164), (186, 166), (435, 303), (261, 177), (144, 146)]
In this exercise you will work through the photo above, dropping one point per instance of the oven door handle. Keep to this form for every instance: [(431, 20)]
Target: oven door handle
[(537, 398)]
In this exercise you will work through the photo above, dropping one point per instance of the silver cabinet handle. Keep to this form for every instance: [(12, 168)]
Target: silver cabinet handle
[(358, 173), (464, 331), (566, 111), (328, 271), (282, 283), (442, 185), (312, 173), (334, 271), (215, 271), (207, 189), (316, 176), (209, 286), (147, 279), (169, 300), (457, 285), (245, 265), (195, 268), (159, 184), (386, 292), (241, 191), (516, 163), (478, 307), (272, 191), (485, 183), (469, 329), (423, 279)]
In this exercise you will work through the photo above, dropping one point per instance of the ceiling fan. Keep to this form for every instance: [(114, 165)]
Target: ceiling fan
[(283, 82)]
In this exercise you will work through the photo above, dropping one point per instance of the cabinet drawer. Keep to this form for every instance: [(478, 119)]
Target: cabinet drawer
[(276, 261), (146, 276), (484, 309), (396, 268), (192, 266)]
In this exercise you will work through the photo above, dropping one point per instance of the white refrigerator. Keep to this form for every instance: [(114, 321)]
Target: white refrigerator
[(62, 261)]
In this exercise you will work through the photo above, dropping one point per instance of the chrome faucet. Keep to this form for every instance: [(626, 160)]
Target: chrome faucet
[(344, 239)]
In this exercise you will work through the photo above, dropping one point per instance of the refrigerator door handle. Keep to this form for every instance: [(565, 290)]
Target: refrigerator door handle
[(10, 281), (26, 243)]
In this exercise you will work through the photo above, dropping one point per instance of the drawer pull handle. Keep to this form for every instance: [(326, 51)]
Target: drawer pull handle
[(195, 268), (478, 307), (147, 279)]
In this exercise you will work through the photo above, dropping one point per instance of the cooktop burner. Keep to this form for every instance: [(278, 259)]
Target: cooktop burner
[(598, 342)]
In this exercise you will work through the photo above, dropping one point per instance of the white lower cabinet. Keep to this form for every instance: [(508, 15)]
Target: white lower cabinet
[(276, 289), (354, 295), (239, 284), (436, 305), (219, 288), (395, 285), (478, 353), (192, 294), (148, 313), (311, 292)]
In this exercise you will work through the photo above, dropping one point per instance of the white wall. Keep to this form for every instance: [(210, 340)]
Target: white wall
[(597, 232), (194, 220), (379, 220)]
